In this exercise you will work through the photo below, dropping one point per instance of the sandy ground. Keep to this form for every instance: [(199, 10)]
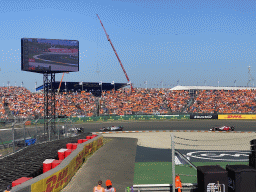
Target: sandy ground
[(192, 140)]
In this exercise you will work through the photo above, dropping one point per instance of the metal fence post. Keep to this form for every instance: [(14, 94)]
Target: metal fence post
[(13, 137), (36, 133), (49, 130), (65, 124), (44, 130), (36, 129), (58, 129), (58, 132), (173, 163), (24, 134)]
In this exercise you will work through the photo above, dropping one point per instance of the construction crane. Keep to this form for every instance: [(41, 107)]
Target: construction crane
[(129, 82), (61, 81)]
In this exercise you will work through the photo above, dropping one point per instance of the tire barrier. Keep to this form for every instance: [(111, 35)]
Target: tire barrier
[(47, 165), (28, 162), (20, 180), (58, 173)]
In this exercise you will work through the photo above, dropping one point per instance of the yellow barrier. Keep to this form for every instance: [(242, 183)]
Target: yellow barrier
[(236, 116), (60, 179)]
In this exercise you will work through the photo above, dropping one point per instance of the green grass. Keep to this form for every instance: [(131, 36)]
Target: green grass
[(222, 164), (161, 172)]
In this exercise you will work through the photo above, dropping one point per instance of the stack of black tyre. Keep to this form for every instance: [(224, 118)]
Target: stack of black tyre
[(252, 155), (29, 161)]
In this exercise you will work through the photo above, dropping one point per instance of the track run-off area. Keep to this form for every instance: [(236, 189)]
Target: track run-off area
[(141, 154)]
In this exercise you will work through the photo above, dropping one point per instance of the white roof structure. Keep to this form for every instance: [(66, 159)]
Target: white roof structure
[(179, 87)]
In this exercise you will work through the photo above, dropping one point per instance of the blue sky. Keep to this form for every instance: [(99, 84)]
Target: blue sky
[(193, 42)]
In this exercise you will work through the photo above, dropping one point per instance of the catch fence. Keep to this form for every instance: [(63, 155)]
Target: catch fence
[(16, 136)]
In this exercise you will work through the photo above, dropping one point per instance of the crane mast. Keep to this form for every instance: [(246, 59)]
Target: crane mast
[(116, 54)]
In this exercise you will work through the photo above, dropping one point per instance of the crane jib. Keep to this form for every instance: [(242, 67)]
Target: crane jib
[(116, 54)]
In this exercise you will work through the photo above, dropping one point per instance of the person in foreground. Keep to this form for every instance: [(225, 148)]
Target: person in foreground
[(109, 187), (8, 189), (99, 188), (178, 184)]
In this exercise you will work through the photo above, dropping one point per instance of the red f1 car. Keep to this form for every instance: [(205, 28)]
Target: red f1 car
[(223, 128)]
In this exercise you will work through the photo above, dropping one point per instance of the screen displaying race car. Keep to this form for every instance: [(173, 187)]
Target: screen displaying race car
[(223, 128), (49, 55), (112, 128)]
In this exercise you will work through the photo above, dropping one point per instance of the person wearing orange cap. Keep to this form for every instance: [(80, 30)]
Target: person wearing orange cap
[(109, 187), (178, 184), (99, 188)]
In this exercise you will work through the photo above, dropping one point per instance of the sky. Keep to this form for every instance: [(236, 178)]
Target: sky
[(161, 42)]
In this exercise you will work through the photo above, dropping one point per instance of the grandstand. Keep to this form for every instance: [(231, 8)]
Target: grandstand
[(19, 102), (92, 87)]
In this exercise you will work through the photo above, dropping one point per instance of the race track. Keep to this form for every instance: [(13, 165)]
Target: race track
[(205, 125), (240, 125), (155, 147)]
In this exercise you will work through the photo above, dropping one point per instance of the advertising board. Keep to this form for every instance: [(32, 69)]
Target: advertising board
[(204, 116), (49, 55), (236, 116), (60, 179)]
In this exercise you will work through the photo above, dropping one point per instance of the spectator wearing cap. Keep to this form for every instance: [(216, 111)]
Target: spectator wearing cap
[(99, 188), (8, 188), (109, 187)]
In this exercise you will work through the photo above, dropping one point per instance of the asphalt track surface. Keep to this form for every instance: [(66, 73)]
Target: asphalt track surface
[(240, 125), (115, 160)]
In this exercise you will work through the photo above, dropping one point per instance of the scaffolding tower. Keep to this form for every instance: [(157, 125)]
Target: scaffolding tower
[(49, 104)]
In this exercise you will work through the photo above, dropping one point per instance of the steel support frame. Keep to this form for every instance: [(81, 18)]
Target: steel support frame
[(49, 103)]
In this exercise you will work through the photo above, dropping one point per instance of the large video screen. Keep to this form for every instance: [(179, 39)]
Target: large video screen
[(49, 55)]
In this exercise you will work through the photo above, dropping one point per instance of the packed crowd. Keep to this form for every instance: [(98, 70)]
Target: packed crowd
[(231, 101), (23, 103), (142, 101)]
